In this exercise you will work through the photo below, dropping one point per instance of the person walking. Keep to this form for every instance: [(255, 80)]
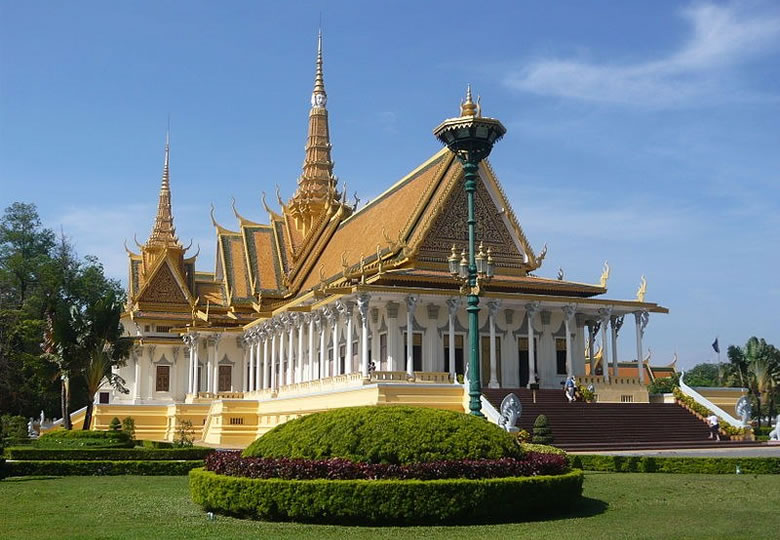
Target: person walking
[(714, 423)]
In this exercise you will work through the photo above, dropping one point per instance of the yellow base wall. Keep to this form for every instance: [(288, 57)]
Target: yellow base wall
[(235, 423)]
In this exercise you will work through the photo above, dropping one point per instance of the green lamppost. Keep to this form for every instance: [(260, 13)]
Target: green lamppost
[(471, 137)]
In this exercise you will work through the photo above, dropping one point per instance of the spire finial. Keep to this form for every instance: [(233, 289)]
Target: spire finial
[(163, 231), (319, 97), (468, 107)]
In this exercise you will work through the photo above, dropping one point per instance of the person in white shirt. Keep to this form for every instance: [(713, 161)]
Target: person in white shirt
[(714, 423)]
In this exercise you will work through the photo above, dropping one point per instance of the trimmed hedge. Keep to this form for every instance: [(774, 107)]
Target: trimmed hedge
[(386, 434), (99, 468), (542, 449), (155, 444), (63, 438), (107, 454), (694, 465), (532, 464), (387, 501)]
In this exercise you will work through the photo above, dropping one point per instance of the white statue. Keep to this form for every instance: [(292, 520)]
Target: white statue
[(744, 409), (510, 411), (774, 435)]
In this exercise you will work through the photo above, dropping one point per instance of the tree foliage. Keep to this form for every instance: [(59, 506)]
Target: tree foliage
[(42, 282)]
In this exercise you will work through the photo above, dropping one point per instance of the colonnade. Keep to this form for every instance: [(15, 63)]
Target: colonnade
[(295, 347)]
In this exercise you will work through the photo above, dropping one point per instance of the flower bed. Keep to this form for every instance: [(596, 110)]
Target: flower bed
[(532, 464), (379, 502)]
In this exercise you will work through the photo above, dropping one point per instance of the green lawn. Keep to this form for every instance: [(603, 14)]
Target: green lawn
[(615, 506)]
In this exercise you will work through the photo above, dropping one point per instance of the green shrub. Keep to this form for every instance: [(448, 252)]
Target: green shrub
[(542, 431), (156, 444), (13, 426), (394, 502), (100, 468), (691, 465), (542, 449), (106, 454), (115, 424), (664, 385), (185, 434), (62, 438), (128, 426), (386, 434)]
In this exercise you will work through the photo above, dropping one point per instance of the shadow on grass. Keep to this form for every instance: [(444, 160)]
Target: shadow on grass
[(29, 478)]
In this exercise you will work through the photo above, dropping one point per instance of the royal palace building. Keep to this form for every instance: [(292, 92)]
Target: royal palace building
[(327, 304)]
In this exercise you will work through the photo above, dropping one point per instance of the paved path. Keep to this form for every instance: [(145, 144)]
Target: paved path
[(762, 451)]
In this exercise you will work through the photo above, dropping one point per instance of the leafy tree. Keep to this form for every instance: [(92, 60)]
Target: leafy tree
[(703, 375), (41, 279)]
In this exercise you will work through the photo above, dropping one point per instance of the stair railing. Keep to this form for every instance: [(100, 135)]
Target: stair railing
[(489, 411), (701, 400), (58, 422)]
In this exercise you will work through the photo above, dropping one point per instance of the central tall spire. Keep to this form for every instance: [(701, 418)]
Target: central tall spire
[(163, 232), (316, 193)]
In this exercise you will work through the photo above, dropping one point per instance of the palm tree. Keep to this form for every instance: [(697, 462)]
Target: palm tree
[(758, 365), (101, 347)]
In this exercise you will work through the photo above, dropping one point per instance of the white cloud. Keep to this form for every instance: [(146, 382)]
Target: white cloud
[(721, 37)]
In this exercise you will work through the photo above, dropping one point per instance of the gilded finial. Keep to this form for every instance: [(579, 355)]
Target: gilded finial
[(318, 97), (468, 107), (642, 290), (605, 271)]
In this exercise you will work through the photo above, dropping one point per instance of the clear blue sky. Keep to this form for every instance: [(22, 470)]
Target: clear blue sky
[(645, 133)]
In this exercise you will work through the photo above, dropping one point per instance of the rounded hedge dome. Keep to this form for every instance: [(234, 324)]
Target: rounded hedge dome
[(386, 434)]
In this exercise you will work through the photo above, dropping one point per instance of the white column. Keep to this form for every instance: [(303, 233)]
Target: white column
[(137, 373), (531, 310), (299, 365), (272, 362), (615, 324), (335, 315), (642, 318), (362, 304), (569, 311), (348, 315), (323, 348), (312, 317), (280, 380), (213, 343), (492, 309), (411, 302), (252, 360), (290, 349), (266, 379), (209, 365), (195, 377), (604, 315), (452, 310), (259, 353)]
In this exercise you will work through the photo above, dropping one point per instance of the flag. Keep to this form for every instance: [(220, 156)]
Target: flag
[(716, 346)]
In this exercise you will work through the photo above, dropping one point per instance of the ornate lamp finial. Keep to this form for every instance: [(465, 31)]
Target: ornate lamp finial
[(468, 107)]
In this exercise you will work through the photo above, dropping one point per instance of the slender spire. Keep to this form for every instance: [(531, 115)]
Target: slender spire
[(319, 98), (316, 191), (163, 231)]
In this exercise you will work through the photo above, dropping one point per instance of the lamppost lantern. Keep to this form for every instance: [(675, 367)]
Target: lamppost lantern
[(471, 138)]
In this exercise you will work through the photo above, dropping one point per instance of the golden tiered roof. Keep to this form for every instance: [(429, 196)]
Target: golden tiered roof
[(316, 245)]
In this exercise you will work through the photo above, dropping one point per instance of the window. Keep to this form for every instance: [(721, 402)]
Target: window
[(355, 361), (342, 357), (560, 356), (458, 353), (417, 339), (163, 378), (163, 329), (103, 398), (225, 380), (485, 359)]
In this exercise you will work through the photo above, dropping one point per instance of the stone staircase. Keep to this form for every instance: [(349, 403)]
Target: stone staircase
[(584, 427)]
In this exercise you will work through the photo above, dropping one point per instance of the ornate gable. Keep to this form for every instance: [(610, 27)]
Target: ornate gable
[(450, 228), (164, 288)]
